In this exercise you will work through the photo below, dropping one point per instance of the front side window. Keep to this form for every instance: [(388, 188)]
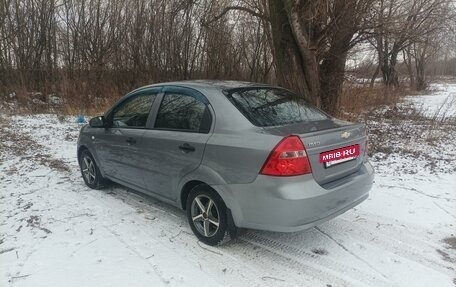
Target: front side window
[(133, 112), (266, 107), (181, 112)]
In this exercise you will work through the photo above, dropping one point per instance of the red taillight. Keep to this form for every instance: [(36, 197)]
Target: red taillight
[(288, 158)]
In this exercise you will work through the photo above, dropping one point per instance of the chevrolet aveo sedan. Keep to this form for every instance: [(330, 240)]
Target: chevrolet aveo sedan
[(232, 154)]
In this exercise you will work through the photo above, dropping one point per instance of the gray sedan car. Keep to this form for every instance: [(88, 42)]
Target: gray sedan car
[(232, 154)]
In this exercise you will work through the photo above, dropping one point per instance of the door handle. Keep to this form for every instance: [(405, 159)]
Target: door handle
[(186, 148), (131, 141)]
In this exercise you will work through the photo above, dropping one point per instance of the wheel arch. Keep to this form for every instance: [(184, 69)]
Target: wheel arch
[(81, 149), (188, 186), (202, 175)]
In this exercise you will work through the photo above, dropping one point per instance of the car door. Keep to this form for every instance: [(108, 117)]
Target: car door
[(118, 145), (175, 145)]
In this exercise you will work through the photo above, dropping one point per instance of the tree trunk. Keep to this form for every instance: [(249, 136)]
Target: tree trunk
[(296, 64), (421, 54), (390, 76), (374, 77), (420, 74), (332, 73), (317, 77), (408, 63), (332, 68)]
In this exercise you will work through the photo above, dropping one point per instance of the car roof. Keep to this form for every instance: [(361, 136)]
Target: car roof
[(220, 85)]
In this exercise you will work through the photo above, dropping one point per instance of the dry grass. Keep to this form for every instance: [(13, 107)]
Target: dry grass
[(24, 146), (67, 102), (53, 163), (18, 144), (90, 105), (361, 99)]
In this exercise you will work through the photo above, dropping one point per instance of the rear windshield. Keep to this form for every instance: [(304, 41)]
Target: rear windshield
[(266, 107)]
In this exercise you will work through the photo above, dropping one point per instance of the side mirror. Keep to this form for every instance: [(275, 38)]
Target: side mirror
[(98, 122)]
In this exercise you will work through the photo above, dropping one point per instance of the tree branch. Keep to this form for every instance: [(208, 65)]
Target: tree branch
[(239, 8)]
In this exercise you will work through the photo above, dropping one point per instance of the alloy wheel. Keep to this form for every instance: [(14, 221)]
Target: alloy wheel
[(88, 169), (205, 215)]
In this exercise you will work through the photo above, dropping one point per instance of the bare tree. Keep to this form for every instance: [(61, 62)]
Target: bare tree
[(103, 48), (400, 23)]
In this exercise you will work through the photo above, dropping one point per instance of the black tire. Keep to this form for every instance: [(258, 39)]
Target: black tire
[(214, 236), (91, 175)]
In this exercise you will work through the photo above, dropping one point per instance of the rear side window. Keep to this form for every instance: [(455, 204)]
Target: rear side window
[(266, 107), (184, 113)]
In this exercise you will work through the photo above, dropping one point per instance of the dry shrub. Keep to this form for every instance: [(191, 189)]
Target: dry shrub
[(69, 100), (360, 99), (90, 104)]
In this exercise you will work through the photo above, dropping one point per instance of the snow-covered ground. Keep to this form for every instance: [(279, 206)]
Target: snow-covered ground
[(442, 102), (54, 231)]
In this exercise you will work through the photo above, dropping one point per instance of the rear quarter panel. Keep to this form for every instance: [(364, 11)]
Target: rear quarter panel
[(238, 156)]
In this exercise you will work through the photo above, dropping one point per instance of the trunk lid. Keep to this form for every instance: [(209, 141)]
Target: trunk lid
[(322, 136)]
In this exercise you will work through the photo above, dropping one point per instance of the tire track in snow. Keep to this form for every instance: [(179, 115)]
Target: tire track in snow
[(156, 269), (351, 252), (404, 247), (444, 210), (317, 266)]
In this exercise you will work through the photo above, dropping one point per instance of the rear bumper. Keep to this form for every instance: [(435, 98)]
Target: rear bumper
[(287, 204)]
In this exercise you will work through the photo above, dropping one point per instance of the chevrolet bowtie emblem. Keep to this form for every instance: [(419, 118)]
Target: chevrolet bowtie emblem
[(345, 135)]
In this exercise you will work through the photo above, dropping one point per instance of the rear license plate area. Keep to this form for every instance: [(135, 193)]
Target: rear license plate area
[(336, 162)]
